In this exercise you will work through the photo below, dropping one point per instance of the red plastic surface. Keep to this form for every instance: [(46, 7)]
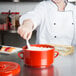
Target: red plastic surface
[(9, 68), (38, 58)]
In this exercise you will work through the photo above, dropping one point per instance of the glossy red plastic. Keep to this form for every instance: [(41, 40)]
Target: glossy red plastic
[(9, 68), (38, 59)]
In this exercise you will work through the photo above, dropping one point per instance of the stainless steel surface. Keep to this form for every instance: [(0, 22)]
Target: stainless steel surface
[(62, 66)]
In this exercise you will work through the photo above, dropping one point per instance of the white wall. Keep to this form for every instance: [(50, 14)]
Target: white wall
[(21, 7)]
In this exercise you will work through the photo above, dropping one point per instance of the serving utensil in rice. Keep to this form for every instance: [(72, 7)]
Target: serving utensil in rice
[(28, 44)]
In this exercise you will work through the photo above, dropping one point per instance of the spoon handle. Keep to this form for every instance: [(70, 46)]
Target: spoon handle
[(28, 44)]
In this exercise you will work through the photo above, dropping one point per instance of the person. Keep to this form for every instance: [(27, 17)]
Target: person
[(54, 20)]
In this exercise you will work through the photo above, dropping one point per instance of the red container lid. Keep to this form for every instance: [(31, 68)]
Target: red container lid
[(9, 68)]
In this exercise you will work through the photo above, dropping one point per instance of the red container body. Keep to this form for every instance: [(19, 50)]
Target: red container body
[(38, 59)]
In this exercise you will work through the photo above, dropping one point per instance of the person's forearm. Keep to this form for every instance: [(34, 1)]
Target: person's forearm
[(26, 29), (28, 22)]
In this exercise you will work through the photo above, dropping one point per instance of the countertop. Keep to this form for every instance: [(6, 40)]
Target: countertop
[(62, 66)]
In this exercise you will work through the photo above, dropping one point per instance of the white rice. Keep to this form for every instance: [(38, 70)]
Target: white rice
[(38, 48)]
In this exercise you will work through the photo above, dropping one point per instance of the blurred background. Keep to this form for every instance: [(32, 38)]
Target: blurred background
[(10, 12)]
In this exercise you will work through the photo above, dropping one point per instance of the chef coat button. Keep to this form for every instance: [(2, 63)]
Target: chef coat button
[(54, 23), (54, 36), (72, 23)]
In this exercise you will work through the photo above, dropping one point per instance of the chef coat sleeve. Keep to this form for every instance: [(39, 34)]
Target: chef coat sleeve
[(74, 39), (36, 15)]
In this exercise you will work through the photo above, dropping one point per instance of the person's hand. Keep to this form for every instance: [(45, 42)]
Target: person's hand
[(26, 29)]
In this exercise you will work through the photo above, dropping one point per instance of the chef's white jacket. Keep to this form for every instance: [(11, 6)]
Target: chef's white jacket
[(53, 26)]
